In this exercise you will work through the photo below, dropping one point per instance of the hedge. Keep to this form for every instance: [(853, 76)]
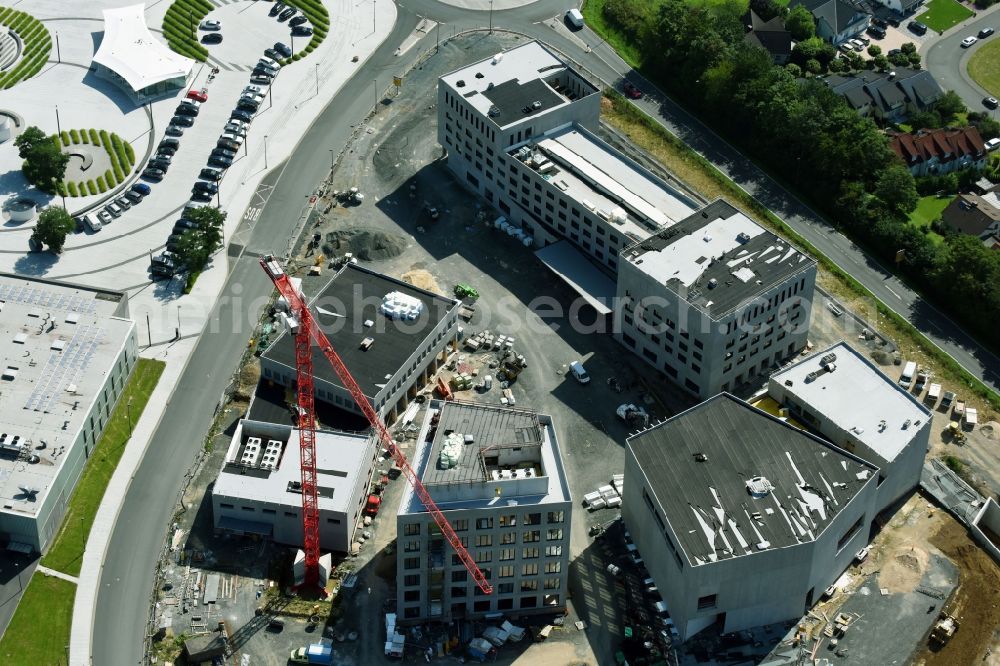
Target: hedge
[(94, 138), (71, 188), (37, 45), (74, 136), (130, 153), (180, 27), (65, 138), (84, 137), (91, 187), (100, 185), (319, 17)]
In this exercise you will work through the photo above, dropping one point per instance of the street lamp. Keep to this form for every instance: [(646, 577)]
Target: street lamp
[(331, 162), (317, 79), (491, 17), (265, 151), (128, 406)]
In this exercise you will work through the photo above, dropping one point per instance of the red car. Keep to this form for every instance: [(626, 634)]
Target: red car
[(632, 91), (199, 95)]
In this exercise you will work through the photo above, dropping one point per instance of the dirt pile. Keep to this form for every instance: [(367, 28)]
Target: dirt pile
[(423, 280), (903, 572), (366, 244)]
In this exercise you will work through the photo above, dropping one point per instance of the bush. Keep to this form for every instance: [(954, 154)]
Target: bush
[(94, 138), (71, 188), (296, 57), (74, 136), (91, 187), (109, 178), (84, 137), (129, 153), (101, 186), (61, 188), (65, 138)]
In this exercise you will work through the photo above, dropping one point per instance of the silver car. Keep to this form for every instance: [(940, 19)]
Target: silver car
[(113, 209)]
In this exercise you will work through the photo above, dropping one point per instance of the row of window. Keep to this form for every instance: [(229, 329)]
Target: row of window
[(484, 556), (488, 605), (487, 522)]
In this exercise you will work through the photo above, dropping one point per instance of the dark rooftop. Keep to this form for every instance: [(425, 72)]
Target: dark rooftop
[(515, 100), (269, 406), (342, 304), (699, 463), (717, 258)]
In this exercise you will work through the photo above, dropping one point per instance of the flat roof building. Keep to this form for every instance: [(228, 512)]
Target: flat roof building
[(258, 491), (741, 518), (391, 335), (844, 397), (714, 299), (497, 476), (67, 352)]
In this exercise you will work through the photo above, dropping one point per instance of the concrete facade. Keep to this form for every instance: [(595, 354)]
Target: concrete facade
[(507, 500), (68, 352)]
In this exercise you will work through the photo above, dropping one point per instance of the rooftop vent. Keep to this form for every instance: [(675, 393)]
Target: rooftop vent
[(494, 110), (759, 487), (828, 359), (713, 283), (700, 457), (536, 104), (460, 83), (497, 58), (479, 75)]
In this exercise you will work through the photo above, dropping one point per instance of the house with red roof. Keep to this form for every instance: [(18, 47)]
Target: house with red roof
[(939, 151)]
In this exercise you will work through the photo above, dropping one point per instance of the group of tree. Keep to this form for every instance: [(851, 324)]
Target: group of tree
[(44, 163), (197, 245), (52, 227), (809, 136)]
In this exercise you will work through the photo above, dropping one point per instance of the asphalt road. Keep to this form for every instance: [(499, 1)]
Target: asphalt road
[(945, 58), (127, 578)]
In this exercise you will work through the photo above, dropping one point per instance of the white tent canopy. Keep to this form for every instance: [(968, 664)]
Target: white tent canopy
[(130, 51)]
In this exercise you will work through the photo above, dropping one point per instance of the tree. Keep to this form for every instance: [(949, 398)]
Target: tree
[(874, 50), (196, 246), (929, 119), (896, 189), (28, 140), (909, 48), (949, 105), (881, 62), (794, 69), (45, 166), (765, 9), (988, 128), (53, 225), (800, 23)]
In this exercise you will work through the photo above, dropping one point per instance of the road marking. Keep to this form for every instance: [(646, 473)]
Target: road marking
[(894, 293), (252, 214)]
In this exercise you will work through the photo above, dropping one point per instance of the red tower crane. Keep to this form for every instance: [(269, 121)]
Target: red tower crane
[(304, 328)]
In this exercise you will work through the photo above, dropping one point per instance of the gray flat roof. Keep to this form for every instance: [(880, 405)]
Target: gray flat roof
[(857, 397), (602, 179), (342, 304), (718, 243), (563, 259), (58, 343), (340, 458), (698, 465), (511, 81)]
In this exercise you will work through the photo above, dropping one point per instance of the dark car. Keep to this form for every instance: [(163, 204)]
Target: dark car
[(248, 105), (174, 130), (283, 49), (876, 32), (185, 110), (142, 188), (632, 91), (220, 162), (985, 32), (212, 38), (990, 102), (879, 22), (260, 79), (298, 20), (133, 197), (917, 27), (227, 144), (154, 174), (203, 186), (287, 14), (166, 150), (273, 54), (182, 121), (183, 224), (301, 31), (163, 269), (240, 114), (201, 196), (172, 241), (276, 9), (170, 143), (223, 152), (893, 52), (210, 174), (161, 159)]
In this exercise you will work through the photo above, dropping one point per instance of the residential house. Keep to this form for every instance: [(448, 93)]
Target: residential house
[(836, 20), (902, 7), (939, 151), (887, 96), (976, 215), (769, 35)]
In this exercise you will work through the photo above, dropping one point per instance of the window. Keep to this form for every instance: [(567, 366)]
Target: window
[(484, 556), (529, 553), (247, 508), (529, 585), (555, 517), (411, 579), (411, 563), (484, 523), (553, 551), (706, 602), (411, 612), (505, 588), (411, 529), (459, 592), (291, 514), (553, 583), (411, 595), (533, 519), (227, 506), (459, 576), (553, 567), (508, 521), (529, 569), (850, 533), (460, 525), (506, 554), (554, 534), (532, 536), (481, 606), (529, 602), (507, 571), (508, 537), (484, 540), (411, 547)]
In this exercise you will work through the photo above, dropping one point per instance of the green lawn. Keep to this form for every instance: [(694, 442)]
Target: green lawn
[(66, 552), (928, 210), (593, 15), (943, 14), (39, 631), (984, 67)]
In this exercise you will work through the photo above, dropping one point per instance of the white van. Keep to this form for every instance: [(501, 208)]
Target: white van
[(269, 62), (574, 18), (992, 144), (906, 379), (578, 372)]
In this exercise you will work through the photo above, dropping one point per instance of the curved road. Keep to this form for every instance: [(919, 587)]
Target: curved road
[(127, 576), (948, 61)]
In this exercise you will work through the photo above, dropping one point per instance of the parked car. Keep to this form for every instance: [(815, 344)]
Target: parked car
[(969, 41), (283, 49), (182, 121), (992, 144), (153, 173), (220, 161), (142, 188), (167, 270), (133, 197), (632, 91), (209, 173), (227, 144), (201, 196), (185, 110), (287, 14), (204, 186), (248, 105), (260, 79), (845, 48), (990, 102), (234, 137), (301, 31), (253, 97), (170, 143), (257, 90), (211, 25), (298, 20), (166, 150), (876, 32), (917, 27), (864, 40), (276, 9), (114, 209), (104, 218), (92, 225), (876, 21), (212, 38), (198, 95), (240, 114), (174, 130), (159, 160), (857, 44), (172, 241), (223, 152), (238, 130), (123, 203), (985, 32)]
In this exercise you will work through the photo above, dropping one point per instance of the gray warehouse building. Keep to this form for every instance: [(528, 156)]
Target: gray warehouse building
[(67, 354), (844, 397), (391, 335), (741, 518), (258, 491), (497, 476)]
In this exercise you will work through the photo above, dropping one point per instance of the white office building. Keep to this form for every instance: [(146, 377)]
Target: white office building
[(67, 352), (844, 397), (742, 519), (497, 476)]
